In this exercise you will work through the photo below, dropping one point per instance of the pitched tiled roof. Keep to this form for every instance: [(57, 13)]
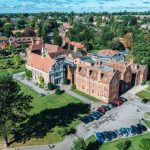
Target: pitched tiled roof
[(108, 52), (77, 45), (36, 61), (116, 65), (44, 64), (96, 73)]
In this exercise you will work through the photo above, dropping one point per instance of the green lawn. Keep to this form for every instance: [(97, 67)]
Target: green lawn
[(49, 104), (112, 145), (147, 123), (86, 95), (51, 101), (2, 60), (4, 72), (144, 95)]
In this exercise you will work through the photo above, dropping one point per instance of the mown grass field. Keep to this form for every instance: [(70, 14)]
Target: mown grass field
[(41, 104)]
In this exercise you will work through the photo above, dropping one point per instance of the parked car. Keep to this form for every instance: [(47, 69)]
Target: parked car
[(119, 133), (113, 103), (136, 130), (118, 103), (111, 106), (100, 137), (107, 136), (95, 116), (142, 127), (90, 118), (123, 99), (130, 131), (118, 100), (101, 109), (124, 131), (106, 107), (113, 134), (85, 120)]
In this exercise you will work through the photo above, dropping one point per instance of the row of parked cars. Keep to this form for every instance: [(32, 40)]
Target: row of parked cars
[(122, 132), (103, 109)]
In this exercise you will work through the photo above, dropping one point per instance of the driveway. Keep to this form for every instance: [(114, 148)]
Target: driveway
[(130, 113), (64, 145)]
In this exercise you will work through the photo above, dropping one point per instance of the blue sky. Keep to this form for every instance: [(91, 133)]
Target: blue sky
[(15, 6)]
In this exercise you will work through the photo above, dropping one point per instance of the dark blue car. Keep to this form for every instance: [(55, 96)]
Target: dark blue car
[(100, 137), (113, 134), (130, 131), (136, 130), (85, 120), (107, 136), (142, 127), (124, 131), (119, 133), (95, 116)]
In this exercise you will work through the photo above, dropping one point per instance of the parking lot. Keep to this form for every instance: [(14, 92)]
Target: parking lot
[(130, 113)]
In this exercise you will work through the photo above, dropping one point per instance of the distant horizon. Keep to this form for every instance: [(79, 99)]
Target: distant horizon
[(77, 6)]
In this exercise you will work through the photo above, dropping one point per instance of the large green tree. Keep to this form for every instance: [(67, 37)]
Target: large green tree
[(14, 106), (7, 29)]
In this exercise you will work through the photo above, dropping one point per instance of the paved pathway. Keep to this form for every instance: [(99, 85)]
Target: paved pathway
[(30, 84), (64, 145), (82, 98)]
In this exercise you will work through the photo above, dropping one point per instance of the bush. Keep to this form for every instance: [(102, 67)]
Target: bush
[(66, 81), (51, 86), (124, 145), (143, 82), (59, 92), (73, 87), (41, 82), (28, 74), (79, 144)]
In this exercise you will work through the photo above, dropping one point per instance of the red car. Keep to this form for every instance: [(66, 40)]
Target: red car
[(118, 101), (101, 109)]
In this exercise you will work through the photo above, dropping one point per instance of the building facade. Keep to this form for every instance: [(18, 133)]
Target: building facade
[(48, 61)]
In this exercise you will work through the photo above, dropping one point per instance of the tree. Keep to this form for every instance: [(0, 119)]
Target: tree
[(7, 29), (29, 32), (145, 144), (79, 144), (16, 60), (14, 105), (57, 40), (20, 24), (24, 46), (129, 40), (18, 34)]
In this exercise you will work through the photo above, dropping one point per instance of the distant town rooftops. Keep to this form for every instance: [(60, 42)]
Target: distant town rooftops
[(108, 52)]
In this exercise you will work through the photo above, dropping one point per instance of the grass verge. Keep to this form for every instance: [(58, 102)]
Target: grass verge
[(86, 95)]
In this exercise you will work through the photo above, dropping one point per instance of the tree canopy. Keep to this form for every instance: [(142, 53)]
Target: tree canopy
[(14, 105)]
